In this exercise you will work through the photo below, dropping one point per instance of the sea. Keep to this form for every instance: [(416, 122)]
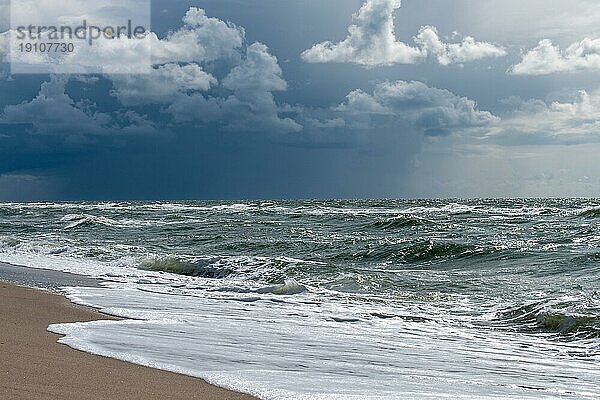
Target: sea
[(381, 299)]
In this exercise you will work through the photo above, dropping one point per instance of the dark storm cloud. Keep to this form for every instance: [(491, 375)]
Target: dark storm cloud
[(231, 110)]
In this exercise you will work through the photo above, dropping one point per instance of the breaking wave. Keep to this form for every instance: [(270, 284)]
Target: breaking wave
[(290, 287), (76, 220), (200, 268), (591, 213), (419, 252), (541, 317)]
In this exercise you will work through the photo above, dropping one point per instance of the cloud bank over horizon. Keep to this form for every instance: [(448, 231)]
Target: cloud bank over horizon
[(237, 98)]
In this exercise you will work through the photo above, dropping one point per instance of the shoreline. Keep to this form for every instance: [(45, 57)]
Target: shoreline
[(34, 365), (45, 279)]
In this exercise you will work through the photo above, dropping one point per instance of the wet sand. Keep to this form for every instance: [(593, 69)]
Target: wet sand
[(34, 366)]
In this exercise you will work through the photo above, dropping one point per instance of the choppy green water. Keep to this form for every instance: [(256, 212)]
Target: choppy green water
[(529, 268)]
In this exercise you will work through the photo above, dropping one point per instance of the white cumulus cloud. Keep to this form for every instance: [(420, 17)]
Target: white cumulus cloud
[(565, 119), (251, 106), (53, 111), (236, 95), (242, 101), (371, 42), (200, 39), (259, 71), (164, 84), (548, 58), (434, 111), (4, 46), (454, 53)]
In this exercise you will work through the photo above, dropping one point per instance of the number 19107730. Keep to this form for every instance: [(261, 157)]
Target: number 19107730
[(48, 47)]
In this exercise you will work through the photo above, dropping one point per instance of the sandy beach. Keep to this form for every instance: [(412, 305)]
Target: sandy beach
[(34, 366)]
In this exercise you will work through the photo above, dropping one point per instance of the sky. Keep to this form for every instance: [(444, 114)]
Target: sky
[(288, 99)]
